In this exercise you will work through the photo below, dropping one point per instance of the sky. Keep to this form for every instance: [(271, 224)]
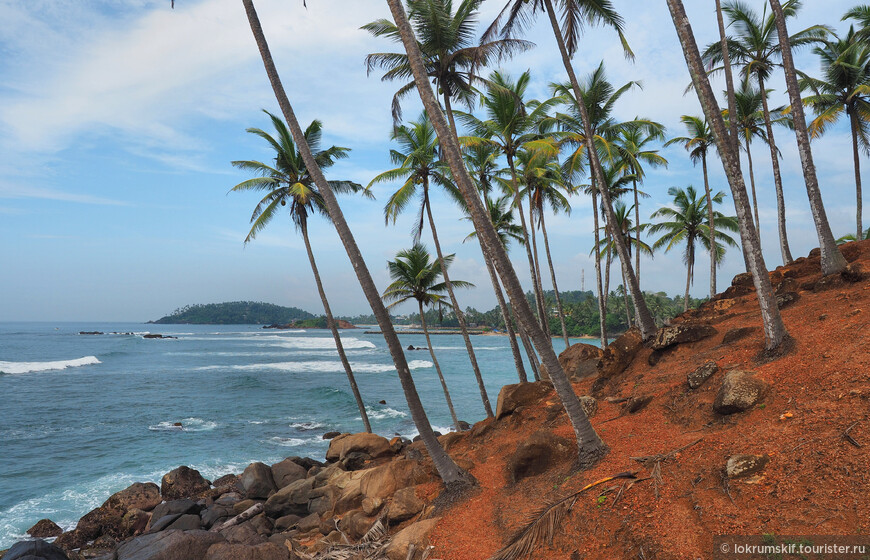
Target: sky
[(119, 120)]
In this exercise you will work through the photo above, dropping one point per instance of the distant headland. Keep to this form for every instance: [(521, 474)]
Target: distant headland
[(240, 313)]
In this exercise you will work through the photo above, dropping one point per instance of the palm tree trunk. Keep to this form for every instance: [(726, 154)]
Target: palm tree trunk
[(330, 322), (534, 363), (853, 121), (460, 316), (625, 300), (602, 310), (690, 260), (590, 447), (539, 288), (777, 180), (508, 321), (449, 110), (644, 319), (438, 367), (774, 329), (729, 78), (832, 259), (636, 234), (712, 223), (555, 286), (752, 189), (450, 472), (607, 268)]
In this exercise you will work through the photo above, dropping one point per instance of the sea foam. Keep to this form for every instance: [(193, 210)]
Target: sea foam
[(33, 367), (318, 367)]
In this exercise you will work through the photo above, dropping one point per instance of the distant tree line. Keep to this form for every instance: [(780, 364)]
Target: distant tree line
[(234, 313)]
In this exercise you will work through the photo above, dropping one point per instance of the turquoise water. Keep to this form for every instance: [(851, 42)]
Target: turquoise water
[(86, 415)]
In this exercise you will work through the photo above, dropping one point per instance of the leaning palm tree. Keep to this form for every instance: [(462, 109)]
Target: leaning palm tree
[(698, 143), (287, 180), (590, 447), (416, 277), (685, 223), (451, 474), (446, 38), (419, 167), (843, 90)]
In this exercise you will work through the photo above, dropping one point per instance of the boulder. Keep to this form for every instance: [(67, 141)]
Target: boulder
[(743, 465), (169, 545), (536, 454), (681, 334), (580, 360), (175, 506), (226, 480), (404, 505), (589, 404), (308, 523), (164, 522), (243, 505), (322, 500), (356, 524), (287, 471), (243, 533), (372, 505), (702, 374), (371, 444), (44, 528), (514, 396), (35, 550), (263, 551), (230, 499), (740, 391), (416, 534), (619, 354), (186, 522), (216, 514), (383, 481), (786, 299), (183, 482), (135, 522), (139, 495), (108, 518), (257, 481), (284, 523), (330, 435), (292, 499)]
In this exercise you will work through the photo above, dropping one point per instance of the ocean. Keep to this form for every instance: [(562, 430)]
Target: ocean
[(87, 415)]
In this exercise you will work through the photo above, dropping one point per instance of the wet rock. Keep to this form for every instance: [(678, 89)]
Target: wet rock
[(733, 335), (416, 534), (580, 360), (702, 374), (536, 455), (287, 471), (44, 528), (619, 354), (404, 505), (589, 404), (257, 481), (516, 395), (183, 482), (263, 551), (35, 550), (681, 334), (108, 518), (330, 435), (370, 444), (292, 499), (159, 336), (744, 465), (740, 391), (169, 545)]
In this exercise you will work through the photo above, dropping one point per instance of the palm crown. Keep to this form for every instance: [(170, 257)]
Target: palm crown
[(416, 276)]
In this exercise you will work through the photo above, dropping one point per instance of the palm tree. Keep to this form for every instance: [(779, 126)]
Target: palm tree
[(287, 180), (774, 329), (451, 474), (419, 166), (575, 14), (685, 222), (698, 143), (843, 90), (416, 277), (755, 48), (446, 39), (832, 260), (589, 445)]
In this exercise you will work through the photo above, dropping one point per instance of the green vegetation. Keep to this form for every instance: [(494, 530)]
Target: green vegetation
[(234, 313)]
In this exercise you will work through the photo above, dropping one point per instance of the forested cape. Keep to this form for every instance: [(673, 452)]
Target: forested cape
[(234, 313)]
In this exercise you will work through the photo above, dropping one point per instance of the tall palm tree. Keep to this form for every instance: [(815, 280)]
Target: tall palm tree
[(451, 474), (575, 14), (685, 222), (416, 277), (420, 166), (843, 90), (832, 260), (698, 143), (774, 328), (756, 50), (590, 447), (287, 180), (452, 57)]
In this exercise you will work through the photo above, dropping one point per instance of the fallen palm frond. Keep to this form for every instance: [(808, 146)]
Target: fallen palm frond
[(654, 463), (544, 522)]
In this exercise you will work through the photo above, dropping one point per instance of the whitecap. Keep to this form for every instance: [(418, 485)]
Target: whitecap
[(307, 425), (32, 367), (187, 425), (292, 442), (317, 367), (439, 429), (383, 413), (313, 343)]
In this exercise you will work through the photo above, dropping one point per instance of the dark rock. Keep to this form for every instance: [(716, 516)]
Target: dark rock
[(243, 505), (814, 253), (589, 404), (382, 402), (108, 518), (743, 465), (257, 481), (322, 500), (786, 299), (636, 404), (287, 522), (139, 495), (262, 524), (169, 545), (243, 533), (855, 272), (90, 332), (226, 480), (740, 391), (681, 334), (44, 528), (536, 455), (619, 354), (656, 356), (306, 463), (464, 426), (215, 514), (330, 435), (292, 499), (263, 551), (743, 280), (702, 374), (183, 482), (733, 335), (175, 506), (161, 523), (158, 336), (230, 499), (355, 460), (287, 471), (35, 550), (580, 360), (828, 282), (308, 523), (514, 396), (187, 522), (135, 522)]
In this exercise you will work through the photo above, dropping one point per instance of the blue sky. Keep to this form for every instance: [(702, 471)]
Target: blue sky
[(118, 120)]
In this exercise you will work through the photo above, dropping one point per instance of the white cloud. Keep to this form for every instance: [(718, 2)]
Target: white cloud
[(18, 191)]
